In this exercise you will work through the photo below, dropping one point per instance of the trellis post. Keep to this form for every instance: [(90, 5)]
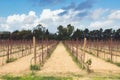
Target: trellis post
[(34, 46), (77, 48), (84, 46)]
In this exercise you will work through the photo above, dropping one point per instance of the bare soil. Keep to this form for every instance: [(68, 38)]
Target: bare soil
[(19, 66), (60, 62), (100, 65)]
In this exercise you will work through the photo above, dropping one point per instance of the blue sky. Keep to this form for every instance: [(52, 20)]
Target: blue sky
[(26, 14)]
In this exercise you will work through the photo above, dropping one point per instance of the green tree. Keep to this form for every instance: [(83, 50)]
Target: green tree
[(70, 30), (39, 31), (65, 32), (78, 34)]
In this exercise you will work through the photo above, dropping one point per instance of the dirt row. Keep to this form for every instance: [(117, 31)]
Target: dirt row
[(59, 62)]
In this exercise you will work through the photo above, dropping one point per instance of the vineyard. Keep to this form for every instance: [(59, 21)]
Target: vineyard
[(13, 50), (50, 57), (101, 51), (38, 54)]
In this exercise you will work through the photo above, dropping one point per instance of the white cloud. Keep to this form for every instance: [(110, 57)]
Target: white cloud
[(96, 14), (4, 27), (19, 21), (102, 24), (110, 20), (114, 15), (48, 14), (51, 19)]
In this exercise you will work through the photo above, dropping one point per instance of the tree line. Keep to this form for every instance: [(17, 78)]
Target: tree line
[(63, 33)]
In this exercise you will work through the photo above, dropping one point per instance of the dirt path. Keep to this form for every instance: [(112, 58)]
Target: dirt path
[(60, 62)]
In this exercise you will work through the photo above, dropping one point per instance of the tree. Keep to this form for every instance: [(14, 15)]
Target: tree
[(86, 33), (39, 31), (65, 32), (107, 34), (5, 35), (70, 30), (78, 34), (117, 34), (60, 32)]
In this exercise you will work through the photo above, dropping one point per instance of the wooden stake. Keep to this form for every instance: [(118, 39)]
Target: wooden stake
[(97, 48), (111, 49), (34, 46), (42, 51), (77, 48), (8, 52), (84, 46)]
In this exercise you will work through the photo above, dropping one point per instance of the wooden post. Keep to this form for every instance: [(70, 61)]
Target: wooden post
[(34, 46), (8, 52), (111, 48), (42, 51), (84, 46), (77, 48), (11, 47), (97, 48), (47, 45), (30, 46), (71, 45), (22, 47)]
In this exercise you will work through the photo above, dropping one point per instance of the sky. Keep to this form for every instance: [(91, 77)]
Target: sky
[(27, 14)]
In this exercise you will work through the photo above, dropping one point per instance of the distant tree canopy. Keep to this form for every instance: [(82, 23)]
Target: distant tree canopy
[(63, 33)]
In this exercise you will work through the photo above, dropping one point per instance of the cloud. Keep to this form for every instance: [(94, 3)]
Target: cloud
[(70, 6), (114, 15), (104, 18), (44, 3), (52, 19), (96, 14), (85, 5), (47, 14), (83, 8), (48, 18), (102, 24), (19, 21)]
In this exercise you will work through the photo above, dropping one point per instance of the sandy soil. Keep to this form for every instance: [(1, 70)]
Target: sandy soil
[(19, 66), (99, 65), (104, 55), (17, 55), (60, 62)]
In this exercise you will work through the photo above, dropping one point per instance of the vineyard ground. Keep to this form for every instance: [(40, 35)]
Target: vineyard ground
[(60, 64)]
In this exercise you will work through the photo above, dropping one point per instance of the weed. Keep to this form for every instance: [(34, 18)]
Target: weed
[(34, 77), (35, 67), (11, 60)]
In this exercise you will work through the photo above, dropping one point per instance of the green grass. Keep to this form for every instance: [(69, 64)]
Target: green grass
[(34, 77), (118, 64), (11, 60), (112, 77), (35, 67), (93, 76), (108, 60)]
